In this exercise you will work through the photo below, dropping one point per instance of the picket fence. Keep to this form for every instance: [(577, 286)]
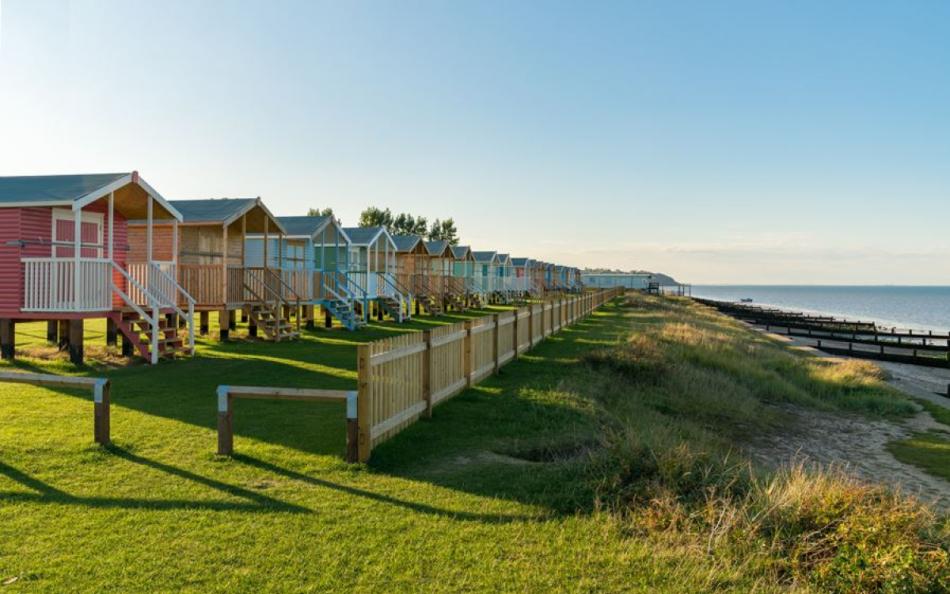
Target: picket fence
[(402, 378)]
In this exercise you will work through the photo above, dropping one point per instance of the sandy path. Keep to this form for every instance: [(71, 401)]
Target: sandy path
[(859, 444)]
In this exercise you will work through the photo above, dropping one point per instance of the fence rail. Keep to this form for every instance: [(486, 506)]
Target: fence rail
[(401, 379)]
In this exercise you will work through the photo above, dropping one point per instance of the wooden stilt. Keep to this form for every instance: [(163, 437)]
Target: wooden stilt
[(327, 318), (224, 323), (232, 320), (76, 342), (52, 332), (203, 326), (112, 332), (309, 314), (63, 334), (7, 339)]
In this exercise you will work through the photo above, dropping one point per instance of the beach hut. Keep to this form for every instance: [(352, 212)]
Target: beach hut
[(414, 271), (486, 264), (522, 281), (503, 287), (206, 253), (64, 258), (463, 269), (313, 258), (441, 261), (372, 270)]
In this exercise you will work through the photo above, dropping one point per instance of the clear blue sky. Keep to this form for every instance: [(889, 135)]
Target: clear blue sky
[(759, 142)]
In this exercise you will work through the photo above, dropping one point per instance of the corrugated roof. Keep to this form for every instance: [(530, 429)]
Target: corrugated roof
[(302, 225), (406, 243), (213, 210), (362, 235), (484, 256), (53, 188)]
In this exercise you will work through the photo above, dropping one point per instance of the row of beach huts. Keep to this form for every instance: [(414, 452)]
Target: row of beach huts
[(74, 247)]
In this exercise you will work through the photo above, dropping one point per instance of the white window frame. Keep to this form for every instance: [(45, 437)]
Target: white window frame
[(66, 214)]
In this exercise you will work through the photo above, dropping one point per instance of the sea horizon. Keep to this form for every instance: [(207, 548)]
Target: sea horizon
[(916, 307)]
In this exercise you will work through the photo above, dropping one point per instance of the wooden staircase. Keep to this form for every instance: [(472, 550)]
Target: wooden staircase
[(344, 311), (431, 304), (138, 331), (270, 319), (393, 307)]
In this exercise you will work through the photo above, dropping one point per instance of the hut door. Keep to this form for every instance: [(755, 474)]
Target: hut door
[(64, 234)]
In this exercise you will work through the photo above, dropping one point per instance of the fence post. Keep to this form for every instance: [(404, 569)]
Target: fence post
[(352, 428), (467, 354), (531, 325), (427, 372), (225, 427), (514, 332), (495, 337), (543, 315), (101, 424), (364, 404)]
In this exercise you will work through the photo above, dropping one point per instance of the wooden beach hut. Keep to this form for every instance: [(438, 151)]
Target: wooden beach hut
[(486, 275), (313, 258), (463, 269), (373, 271), (441, 261), (206, 253), (522, 281), (64, 258)]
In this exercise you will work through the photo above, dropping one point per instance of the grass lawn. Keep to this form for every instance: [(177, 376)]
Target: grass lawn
[(586, 465), (930, 451)]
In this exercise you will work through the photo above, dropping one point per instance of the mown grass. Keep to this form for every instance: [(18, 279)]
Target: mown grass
[(929, 451), (603, 460)]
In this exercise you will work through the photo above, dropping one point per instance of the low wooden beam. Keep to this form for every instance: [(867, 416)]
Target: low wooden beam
[(100, 388)]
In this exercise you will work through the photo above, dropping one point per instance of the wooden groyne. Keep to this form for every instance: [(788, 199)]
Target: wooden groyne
[(845, 337)]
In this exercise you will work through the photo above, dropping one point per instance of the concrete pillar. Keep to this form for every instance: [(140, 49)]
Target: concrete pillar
[(7, 339), (112, 332), (203, 326), (76, 342)]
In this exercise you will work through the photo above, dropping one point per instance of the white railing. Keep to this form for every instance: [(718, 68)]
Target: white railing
[(50, 285), (158, 278), (164, 276), (153, 305)]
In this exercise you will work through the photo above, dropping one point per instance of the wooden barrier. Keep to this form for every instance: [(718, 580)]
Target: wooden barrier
[(100, 395), (227, 394), (402, 378)]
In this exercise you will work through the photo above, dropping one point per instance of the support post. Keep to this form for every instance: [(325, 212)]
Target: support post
[(52, 332), (76, 342), (327, 318), (308, 312), (364, 405), (7, 339), (232, 320), (352, 427), (495, 336), (224, 323), (514, 333), (225, 424), (251, 327), (112, 332), (204, 323), (101, 425), (427, 372), (467, 349)]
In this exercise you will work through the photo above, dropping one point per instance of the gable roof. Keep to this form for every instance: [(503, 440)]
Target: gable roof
[(504, 258), (485, 256), (520, 261), (439, 248), (364, 236), (304, 226), (75, 190), (406, 243), (462, 252), (213, 210)]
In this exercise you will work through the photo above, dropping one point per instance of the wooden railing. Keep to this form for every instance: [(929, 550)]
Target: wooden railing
[(50, 285), (402, 378), (204, 282)]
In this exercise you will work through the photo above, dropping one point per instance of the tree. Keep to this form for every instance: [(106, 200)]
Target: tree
[(444, 230), (406, 224), (316, 212), (374, 217)]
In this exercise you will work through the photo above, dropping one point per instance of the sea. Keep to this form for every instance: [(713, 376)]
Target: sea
[(917, 308)]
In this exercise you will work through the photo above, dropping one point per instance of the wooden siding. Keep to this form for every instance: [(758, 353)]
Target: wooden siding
[(162, 241), (11, 274)]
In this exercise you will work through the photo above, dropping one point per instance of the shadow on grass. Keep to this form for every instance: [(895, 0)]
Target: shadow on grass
[(46, 493)]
